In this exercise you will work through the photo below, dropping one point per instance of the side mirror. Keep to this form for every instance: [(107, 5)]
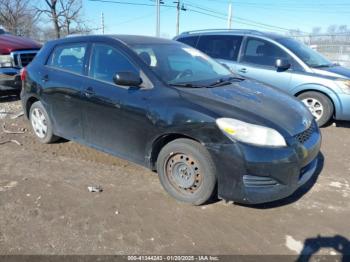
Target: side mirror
[(127, 79), (282, 64)]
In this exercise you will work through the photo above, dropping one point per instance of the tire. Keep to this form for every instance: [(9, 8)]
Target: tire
[(187, 158), (322, 102), (39, 119)]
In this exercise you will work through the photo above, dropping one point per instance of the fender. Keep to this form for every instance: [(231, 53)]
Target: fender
[(322, 89)]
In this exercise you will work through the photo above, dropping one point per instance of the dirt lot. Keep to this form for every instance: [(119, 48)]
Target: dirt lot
[(46, 208)]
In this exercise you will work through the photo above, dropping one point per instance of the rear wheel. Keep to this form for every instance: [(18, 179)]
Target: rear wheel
[(41, 123), (320, 106), (186, 171)]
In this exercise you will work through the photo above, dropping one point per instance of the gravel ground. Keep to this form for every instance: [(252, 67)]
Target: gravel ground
[(46, 208)]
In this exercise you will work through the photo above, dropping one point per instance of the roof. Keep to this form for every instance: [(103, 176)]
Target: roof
[(233, 32), (127, 39), (137, 39)]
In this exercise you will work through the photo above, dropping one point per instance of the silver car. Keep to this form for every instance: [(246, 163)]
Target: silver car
[(282, 62)]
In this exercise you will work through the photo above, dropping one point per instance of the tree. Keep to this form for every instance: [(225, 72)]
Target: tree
[(316, 31), (17, 17), (63, 14)]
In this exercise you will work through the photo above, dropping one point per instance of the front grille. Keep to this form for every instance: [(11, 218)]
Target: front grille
[(23, 58), (305, 136)]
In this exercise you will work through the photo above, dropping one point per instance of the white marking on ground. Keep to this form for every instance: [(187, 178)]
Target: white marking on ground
[(293, 244), (336, 184), (7, 185)]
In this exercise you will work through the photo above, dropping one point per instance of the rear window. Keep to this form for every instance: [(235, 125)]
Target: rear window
[(69, 57), (220, 46)]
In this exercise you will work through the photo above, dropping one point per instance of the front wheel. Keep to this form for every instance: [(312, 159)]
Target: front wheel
[(41, 123), (320, 106), (186, 171)]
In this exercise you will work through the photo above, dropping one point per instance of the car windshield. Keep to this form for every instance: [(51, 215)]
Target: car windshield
[(305, 53), (178, 64)]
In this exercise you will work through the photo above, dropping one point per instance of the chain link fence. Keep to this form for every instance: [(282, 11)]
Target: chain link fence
[(334, 47)]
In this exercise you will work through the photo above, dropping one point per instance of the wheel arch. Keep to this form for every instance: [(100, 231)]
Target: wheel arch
[(330, 94), (30, 101), (160, 142)]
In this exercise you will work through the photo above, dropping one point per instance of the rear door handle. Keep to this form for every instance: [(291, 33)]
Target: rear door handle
[(243, 70), (89, 92)]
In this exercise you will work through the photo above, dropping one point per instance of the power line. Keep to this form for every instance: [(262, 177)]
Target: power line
[(204, 11), (241, 18), (128, 3)]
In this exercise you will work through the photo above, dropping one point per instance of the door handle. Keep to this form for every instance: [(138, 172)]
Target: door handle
[(45, 78), (243, 70), (89, 92)]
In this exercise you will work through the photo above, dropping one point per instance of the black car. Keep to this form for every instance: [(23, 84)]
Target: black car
[(171, 108)]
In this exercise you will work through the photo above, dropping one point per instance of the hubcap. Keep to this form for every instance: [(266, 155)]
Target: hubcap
[(315, 107), (39, 123), (183, 173)]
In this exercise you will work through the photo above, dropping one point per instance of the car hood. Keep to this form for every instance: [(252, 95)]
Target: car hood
[(9, 43), (335, 71), (254, 103)]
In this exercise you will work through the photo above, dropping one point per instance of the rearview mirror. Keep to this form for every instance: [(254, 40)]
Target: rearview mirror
[(127, 79), (282, 64)]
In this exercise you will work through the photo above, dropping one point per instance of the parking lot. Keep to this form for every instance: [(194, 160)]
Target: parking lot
[(46, 207)]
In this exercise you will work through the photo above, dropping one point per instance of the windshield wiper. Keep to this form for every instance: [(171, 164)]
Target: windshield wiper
[(189, 85), (225, 81), (320, 66)]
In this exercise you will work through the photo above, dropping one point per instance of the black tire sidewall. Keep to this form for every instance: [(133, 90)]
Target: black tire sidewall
[(327, 104), (50, 137), (200, 154)]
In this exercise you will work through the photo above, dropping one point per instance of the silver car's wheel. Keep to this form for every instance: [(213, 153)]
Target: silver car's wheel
[(315, 107), (319, 105), (39, 123)]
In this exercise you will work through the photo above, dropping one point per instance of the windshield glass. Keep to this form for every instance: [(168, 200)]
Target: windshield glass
[(305, 53), (178, 64)]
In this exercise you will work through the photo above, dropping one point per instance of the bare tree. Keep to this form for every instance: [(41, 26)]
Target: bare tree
[(17, 17), (316, 31), (62, 13)]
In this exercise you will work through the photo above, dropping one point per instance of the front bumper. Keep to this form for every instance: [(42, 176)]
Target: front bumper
[(251, 174), (10, 80), (343, 113)]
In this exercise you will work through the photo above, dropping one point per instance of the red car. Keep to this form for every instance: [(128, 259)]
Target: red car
[(15, 53)]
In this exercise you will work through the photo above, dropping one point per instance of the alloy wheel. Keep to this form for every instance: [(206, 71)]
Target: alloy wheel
[(315, 107), (39, 123)]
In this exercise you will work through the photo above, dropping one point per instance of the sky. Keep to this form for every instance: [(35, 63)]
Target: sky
[(267, 15)]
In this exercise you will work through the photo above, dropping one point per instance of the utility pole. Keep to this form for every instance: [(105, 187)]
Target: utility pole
[(179, 8), (102, 23), (177, 16), (229, 17), (158, 18)]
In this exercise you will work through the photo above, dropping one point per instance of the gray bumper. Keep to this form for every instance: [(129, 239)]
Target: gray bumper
[(10, 80)]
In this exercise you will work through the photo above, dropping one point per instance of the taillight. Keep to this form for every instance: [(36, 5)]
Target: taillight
[(23, 73)]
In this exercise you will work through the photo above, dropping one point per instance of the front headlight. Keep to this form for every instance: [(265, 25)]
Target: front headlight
[(250, 133), (5, 61), (344, 85)]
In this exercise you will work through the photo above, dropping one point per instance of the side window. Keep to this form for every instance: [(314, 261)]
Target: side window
[(106, 61), (221, 46), (191, 40), (69, 57), (261, 52)]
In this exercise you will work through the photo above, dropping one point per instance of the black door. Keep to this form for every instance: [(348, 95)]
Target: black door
[(63, 80), (115, 117)]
